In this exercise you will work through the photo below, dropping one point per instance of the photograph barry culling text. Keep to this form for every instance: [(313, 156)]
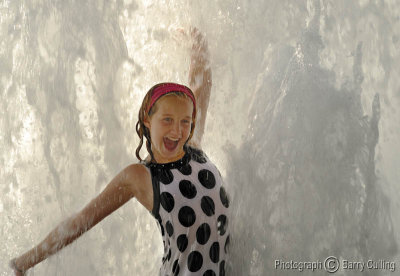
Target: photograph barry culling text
[(343, 264)]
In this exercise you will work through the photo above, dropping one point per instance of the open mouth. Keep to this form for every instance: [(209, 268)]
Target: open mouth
[(169, 144)]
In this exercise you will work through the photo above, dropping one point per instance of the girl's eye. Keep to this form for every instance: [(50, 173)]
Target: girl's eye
[(186, 121), (167, 119)]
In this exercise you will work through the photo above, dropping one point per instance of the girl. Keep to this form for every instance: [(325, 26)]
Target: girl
[(177, 182)]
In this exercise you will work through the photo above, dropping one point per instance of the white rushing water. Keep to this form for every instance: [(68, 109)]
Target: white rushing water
[(303, 123)]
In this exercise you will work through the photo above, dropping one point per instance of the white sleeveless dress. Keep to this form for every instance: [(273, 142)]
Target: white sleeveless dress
[(190, 205)]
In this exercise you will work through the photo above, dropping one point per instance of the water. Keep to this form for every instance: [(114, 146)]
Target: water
[(303, 123)]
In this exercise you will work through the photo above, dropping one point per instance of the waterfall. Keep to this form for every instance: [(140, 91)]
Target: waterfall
[(303, 124)]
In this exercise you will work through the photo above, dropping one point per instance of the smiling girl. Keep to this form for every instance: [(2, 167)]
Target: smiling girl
[(177, 182)]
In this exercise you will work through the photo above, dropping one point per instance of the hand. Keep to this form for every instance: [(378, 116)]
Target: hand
[(16, 270), (18, 273), (181, 37), (194, 40), (199, 43)]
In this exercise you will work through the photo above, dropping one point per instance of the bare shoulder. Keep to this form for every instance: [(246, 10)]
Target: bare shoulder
[(137, 170), (139, 178)]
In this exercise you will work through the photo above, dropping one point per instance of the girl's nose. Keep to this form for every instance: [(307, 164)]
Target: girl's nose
[(176, 129)]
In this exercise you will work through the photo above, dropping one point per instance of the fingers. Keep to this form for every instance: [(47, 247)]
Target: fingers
[(194, 31), (199, 45), (18, 273), (193, 36), (179, 35), (198, 38), (182, 31)]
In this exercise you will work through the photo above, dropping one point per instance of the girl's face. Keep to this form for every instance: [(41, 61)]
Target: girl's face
[(170, 127)]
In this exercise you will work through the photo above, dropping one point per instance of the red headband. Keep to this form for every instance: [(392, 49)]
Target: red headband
[(169, 87)]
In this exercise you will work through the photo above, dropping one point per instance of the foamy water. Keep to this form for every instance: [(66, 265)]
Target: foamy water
[(303, 124)]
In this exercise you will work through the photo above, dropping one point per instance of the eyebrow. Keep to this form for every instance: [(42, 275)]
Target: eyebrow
[(188, 117)]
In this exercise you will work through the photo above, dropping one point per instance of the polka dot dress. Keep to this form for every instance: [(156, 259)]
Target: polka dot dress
[(190, 205)]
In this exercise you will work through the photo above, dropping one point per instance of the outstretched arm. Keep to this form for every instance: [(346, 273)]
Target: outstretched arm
[(117, 193), (200, 81)]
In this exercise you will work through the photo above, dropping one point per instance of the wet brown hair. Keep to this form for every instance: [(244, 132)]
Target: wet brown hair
[(143, 131)]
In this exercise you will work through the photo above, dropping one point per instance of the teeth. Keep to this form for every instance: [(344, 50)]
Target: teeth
[(173, 139)]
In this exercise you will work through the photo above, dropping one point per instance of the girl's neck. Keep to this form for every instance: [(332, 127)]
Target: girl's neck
[(176, 158)]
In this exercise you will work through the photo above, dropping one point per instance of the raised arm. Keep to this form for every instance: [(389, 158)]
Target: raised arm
[(122, 188), (200, 81)]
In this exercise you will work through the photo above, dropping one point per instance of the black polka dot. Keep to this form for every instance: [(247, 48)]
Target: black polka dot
[(169, 255), (224, 197), (222, 224), (207, 179), (186, 169), (175, 268), (186, 216), (227, 242), (222, 268), (207, 205), (170, 228), (214, 252), (203, 233), (195, 261), (166, 176), (187, 189), (209, 273), (182, 242), (164, 259), (162, 230), (167, 201)]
